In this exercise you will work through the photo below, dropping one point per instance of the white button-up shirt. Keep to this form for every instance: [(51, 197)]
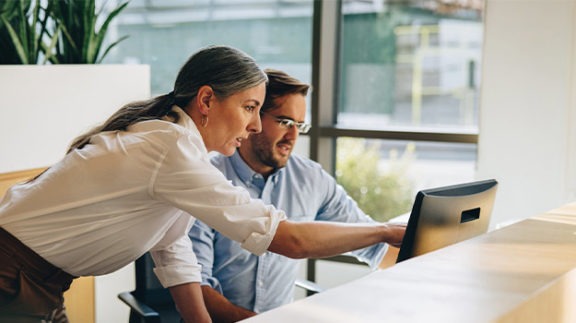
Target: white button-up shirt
[(127, 192)]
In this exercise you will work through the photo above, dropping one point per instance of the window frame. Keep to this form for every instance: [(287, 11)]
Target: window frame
[(326, 41)]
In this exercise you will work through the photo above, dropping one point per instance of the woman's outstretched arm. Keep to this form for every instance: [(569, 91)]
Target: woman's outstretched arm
[(325, 239)]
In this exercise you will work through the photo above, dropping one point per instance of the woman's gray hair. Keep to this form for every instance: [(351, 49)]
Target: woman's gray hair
[(225, 69)]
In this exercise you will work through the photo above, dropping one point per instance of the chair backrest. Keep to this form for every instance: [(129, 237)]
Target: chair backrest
[(149, 302), (148, 288)]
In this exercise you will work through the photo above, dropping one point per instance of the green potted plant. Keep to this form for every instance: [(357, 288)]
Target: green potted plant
[(52, 79), (62, 32), (77, 38), (22, 31)]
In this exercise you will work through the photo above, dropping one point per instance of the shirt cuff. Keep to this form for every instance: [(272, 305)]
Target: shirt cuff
[(258, 243), (377, 259), (176, 275)]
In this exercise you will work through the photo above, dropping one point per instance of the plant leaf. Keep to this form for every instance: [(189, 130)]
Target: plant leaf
[(110, 47), (15, 41), (49, 50), (104, 28), (80, 41)]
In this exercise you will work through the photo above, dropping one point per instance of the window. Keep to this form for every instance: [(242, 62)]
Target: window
[(403, 100)]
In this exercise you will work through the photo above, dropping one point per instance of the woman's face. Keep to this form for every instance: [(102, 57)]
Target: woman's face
[(231, 120)]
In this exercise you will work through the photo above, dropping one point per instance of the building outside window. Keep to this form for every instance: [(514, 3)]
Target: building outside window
[(164, 33), (409, 76)]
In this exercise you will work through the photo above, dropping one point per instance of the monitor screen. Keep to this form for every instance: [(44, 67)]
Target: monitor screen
[(447, 215)]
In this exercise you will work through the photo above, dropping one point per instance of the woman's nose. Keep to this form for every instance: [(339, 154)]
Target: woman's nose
[(256, 125)]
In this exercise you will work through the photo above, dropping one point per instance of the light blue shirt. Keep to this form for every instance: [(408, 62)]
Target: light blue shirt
[(307, 193)]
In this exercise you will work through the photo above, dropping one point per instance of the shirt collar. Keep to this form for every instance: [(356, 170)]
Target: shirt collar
[(247, 174), (185, 120), (244, 172)]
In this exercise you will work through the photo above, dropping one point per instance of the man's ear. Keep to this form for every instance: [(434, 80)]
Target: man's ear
[(204, 99)]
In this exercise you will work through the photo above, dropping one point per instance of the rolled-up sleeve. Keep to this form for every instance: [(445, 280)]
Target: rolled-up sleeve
[(259, 240)]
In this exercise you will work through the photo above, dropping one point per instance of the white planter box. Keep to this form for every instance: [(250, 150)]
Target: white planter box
[(44, 107)]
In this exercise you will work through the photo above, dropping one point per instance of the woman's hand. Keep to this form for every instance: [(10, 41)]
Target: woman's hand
[(395, 234)]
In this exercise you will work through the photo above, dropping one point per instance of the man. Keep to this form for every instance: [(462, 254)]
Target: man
[(237, 284)]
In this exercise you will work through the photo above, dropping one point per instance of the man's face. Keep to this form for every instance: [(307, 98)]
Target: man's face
[(271, 148)]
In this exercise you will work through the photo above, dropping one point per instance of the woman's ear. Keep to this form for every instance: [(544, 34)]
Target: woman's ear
[(204, 99)]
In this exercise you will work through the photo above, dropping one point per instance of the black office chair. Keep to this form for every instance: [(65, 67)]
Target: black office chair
[(152, 303), (149, 302)]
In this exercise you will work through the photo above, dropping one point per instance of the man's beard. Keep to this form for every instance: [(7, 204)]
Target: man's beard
[(264, 151)]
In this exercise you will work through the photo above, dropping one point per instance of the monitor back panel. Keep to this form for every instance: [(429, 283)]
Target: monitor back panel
[(444, 216)]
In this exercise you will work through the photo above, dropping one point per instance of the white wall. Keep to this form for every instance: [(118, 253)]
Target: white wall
[(44, 108), (527, 125)]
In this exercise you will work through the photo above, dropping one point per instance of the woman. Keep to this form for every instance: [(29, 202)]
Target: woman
[(136, 183)]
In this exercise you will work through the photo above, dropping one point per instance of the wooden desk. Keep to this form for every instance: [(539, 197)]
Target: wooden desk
[(520, 273)]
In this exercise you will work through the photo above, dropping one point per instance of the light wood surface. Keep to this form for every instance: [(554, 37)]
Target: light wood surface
[(9, 179), (79, 299), (520, 273)]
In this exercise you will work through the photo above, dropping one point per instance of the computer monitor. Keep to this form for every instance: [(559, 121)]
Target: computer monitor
[(447, 215)]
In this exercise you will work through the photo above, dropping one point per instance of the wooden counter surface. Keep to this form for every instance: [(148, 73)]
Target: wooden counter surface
[(524, 272)]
